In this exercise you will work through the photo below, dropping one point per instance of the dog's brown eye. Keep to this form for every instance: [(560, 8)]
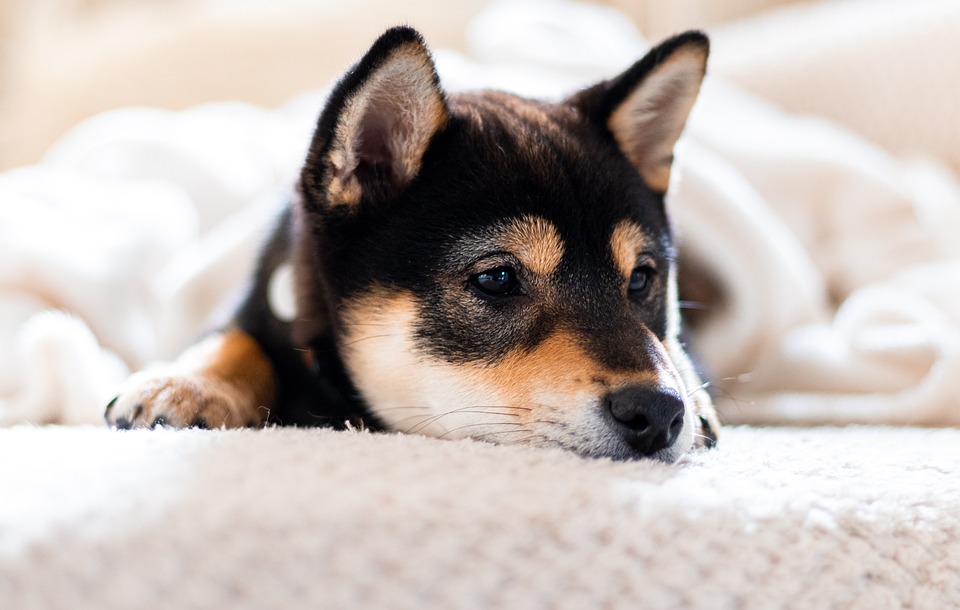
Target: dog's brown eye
[(641, 279), (498, 282)]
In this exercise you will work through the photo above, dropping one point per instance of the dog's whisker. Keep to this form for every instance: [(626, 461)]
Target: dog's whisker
[(423, 424), (367, 338), (550, 423), (431, 420), (494, 437), (478, 411), (463, 410), (490, 423), (374, 324), (399, 407), (484, 411), (510, 431), (700, 388)]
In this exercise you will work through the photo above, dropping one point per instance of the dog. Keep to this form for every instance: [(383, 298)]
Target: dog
[(473, 265)]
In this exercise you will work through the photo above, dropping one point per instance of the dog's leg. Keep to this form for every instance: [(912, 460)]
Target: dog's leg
[(254, 371), (230, 378), (708, 423), (224, 380)]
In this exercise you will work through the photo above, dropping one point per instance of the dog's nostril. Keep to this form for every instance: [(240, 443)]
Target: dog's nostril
[(626, 414), (677, 425), (649, 418)]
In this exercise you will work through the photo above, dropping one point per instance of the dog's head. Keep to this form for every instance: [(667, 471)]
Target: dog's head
[(501, 268)]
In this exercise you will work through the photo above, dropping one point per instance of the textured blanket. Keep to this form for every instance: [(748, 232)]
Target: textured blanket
[(283, 518)]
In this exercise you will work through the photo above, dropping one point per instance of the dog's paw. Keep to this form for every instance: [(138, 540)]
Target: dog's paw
[(181, 400), (708, 428)]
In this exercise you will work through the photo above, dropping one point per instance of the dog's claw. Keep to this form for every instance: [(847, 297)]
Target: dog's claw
[(708, 435), (106, 411)]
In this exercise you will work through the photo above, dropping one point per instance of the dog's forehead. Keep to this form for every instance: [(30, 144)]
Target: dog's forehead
[(537, 176), (529, 178)]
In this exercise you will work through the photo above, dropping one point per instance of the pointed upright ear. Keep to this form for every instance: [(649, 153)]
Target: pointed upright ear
[(376, 126), (646, 107)]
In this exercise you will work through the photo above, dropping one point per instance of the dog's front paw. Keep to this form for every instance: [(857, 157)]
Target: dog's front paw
[(181, 400)]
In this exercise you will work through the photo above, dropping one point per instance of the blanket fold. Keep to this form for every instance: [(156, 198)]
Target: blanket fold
[(837, 261)]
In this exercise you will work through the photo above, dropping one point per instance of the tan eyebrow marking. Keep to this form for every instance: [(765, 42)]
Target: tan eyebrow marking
[(536, 242), (626, 242)]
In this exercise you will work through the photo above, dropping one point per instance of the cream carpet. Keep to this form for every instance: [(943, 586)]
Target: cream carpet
[(283, 518)]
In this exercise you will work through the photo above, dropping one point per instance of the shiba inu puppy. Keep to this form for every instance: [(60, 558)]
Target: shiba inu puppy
[(472, 265)]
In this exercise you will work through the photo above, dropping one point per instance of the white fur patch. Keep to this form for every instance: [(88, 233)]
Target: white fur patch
[(281, 295)]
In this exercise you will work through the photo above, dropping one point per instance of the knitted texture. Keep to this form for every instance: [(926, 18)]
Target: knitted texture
[(288, 518)]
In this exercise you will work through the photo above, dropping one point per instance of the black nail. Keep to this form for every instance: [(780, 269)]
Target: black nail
[(123, 423), (200, 423), (709, 436), (160, 420), (106, 412)]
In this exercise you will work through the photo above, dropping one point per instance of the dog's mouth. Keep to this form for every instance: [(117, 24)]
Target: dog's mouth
[(600, 429), (606, 429)]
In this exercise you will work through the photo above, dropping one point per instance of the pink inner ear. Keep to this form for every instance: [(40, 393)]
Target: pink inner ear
[(376, 130), (384, 127)]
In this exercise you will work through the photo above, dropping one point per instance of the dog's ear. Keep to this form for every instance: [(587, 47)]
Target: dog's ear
[(646, 107), (376, 126)]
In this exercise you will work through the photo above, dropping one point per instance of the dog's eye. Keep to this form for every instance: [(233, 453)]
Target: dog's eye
[(497, 282), (641, 279)]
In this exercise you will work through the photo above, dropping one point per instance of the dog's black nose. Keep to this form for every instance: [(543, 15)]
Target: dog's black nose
[(650, 418)]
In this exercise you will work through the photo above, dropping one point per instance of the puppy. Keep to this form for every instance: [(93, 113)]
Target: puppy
[(473, 265)]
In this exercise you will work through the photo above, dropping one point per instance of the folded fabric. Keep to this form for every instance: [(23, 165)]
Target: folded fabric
[(835, 261)]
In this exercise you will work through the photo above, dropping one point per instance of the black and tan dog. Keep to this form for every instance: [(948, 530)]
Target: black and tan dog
[(475, 265)]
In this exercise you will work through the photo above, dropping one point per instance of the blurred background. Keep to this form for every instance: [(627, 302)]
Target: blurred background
[(822, 158), (64, 60)]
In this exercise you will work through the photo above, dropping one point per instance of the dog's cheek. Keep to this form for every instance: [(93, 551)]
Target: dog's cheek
[(528, 396), (408, 389)]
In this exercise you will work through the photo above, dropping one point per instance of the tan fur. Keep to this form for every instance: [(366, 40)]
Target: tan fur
[(236, 359), (536, 242), (627, 242), (649, 122), (404, 86), (560, 368), (225, 380)]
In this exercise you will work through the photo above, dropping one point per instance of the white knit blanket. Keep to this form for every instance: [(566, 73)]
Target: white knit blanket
[(839, 262), (864, 518)]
